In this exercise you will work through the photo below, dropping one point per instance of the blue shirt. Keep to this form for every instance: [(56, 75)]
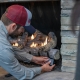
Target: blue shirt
[(8, 60)]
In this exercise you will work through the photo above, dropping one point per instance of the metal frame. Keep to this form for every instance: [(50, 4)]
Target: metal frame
[(4, 1)]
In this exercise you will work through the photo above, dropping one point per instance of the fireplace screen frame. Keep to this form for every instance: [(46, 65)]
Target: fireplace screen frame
[(1, 1)]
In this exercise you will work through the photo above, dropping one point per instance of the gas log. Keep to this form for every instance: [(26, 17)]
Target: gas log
[(38, 44)]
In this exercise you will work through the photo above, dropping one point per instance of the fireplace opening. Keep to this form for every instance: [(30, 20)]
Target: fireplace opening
[(46, 18)]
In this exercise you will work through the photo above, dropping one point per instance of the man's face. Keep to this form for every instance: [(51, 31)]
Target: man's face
[(17, 32)]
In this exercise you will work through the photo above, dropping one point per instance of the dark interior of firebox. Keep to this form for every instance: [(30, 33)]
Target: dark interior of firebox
[(45, 17)]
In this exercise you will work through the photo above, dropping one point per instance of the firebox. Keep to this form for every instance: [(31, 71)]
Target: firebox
[(45, 17)]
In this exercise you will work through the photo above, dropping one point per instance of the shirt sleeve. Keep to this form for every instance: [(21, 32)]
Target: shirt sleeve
[(11, 64), (23, 55)]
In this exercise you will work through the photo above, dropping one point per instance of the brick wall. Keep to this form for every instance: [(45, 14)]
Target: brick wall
[(68, 40)]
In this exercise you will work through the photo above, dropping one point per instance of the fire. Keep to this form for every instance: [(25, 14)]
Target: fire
[(42, 44), (15, 44), (45, 42), (32, 37), (33, 45)]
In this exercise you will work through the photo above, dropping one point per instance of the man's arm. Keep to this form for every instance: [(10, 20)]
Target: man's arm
[(23, 55), (26, 57), (11, 64)]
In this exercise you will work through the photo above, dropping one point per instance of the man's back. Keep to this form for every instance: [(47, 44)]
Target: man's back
[(4, 43)]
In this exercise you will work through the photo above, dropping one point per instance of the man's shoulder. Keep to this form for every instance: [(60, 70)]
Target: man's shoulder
[(4, 43)]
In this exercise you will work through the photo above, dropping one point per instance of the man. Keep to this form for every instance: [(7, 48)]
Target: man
[(28, 27), (14, 18)]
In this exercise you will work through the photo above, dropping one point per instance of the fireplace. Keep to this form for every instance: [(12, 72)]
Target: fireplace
[(46, 17)]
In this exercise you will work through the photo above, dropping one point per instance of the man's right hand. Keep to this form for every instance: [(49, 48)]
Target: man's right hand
[(46, 67)]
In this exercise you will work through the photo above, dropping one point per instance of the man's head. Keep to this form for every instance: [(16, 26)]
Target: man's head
[(14, 19), (28, 27)]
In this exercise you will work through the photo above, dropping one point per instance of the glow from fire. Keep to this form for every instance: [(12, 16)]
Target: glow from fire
[(45, 42), (42, 44), (33, 44), (15, 44), (32, 37)]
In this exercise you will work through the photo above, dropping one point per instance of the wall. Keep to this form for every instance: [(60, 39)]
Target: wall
[(68, 40)]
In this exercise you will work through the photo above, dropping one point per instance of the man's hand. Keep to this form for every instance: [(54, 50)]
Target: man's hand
[(40, 60), (46, 67)]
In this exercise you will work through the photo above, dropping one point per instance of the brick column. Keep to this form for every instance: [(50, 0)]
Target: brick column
[(68, 40)]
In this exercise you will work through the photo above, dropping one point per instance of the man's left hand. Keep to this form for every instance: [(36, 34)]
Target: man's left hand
[(40, 60)]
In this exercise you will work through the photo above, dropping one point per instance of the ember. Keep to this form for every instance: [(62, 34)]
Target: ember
[(32, 37), (33, 45), (45, 43), (15, 44), (38, 44)]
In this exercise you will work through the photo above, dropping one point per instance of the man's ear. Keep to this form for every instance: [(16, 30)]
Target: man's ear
[(13, 26)]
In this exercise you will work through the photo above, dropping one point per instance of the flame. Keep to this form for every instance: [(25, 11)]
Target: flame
[(15, 44), (32, 37), (45, 42), (42, 44), (33, 45)]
